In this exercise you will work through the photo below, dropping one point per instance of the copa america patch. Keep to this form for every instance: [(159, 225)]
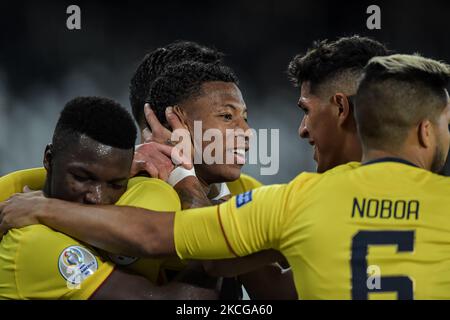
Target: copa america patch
[(76, 263), (121, 260), (243, 198)]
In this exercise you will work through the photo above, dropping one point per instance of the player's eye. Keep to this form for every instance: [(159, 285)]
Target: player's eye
[(117, 186), (227, 116), (80, 178)]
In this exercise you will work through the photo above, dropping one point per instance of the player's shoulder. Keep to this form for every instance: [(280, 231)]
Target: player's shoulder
[(433, 181), (250, 181), (404, 173), (305, 178), (243, 184), (308, 181), (47, 264), (343, 168), (15, 181), (38, 243), (150, 193), (39, 235)]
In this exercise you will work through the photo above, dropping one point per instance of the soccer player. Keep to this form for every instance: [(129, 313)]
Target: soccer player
[(156, 194), (89, 163), (324, 224), (326, 89), (198, 94), (154, 64), (327, 76)]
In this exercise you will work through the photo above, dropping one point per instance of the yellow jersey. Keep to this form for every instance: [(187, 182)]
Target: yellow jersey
[(375, 231), (243, 184), (147, 193), (15, 181), (37, 262)]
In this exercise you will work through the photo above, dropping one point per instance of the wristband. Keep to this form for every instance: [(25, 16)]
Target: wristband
[(223, 191), (178, 174)]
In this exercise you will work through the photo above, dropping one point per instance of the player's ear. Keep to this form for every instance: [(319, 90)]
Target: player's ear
[(425, 133), (181, 113), (48, 157), (344, 107)]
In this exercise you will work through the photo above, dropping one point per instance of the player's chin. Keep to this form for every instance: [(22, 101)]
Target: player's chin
[(321, 167)]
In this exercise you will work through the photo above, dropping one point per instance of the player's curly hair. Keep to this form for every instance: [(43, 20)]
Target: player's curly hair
[(154, 64), (183, 81), (326, 59), (101, 119)]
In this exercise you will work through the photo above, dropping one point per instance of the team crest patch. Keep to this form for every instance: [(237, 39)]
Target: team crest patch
[(243, 198), (121, 260), (76, 263)]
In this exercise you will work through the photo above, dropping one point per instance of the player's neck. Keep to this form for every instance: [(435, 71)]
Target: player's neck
[(352, 149), (374, 154), (46, 189)]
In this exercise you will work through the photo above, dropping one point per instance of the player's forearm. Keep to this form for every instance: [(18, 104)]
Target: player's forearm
[(241, 265), (124, 230), (191, 193), (269, 283)]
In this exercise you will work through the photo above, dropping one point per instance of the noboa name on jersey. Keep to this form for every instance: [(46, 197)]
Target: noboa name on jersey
[(76, 263)]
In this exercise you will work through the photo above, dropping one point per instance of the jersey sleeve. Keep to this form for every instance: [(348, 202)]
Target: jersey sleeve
[(249, 222), (51, 265)]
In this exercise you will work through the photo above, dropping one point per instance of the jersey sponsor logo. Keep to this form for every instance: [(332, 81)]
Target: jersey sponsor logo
[(121, 260), (243, 198), (76, 263)]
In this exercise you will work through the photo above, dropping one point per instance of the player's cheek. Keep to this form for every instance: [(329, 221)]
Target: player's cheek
[(115, 194)]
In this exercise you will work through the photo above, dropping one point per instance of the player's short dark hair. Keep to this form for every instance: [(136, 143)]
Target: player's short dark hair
[(184, 81), (154, 64), (325, 59), (396, 93), (100, 119)]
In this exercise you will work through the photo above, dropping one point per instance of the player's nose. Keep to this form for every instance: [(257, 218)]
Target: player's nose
[(243, 124), (96, 195), (302, 129)]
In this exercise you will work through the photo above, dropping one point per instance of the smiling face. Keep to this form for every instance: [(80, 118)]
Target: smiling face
[(87, 172), (220, 106)]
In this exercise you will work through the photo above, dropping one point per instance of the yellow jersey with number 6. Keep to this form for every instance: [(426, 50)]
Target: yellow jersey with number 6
[(375, 231)]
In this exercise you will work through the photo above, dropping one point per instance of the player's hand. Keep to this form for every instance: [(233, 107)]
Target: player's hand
[(178, 137), (159, 155), (157, 132), (21, 210), (155, 159)]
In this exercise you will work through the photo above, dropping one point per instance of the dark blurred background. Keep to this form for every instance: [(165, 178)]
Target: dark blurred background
[(43, 64)]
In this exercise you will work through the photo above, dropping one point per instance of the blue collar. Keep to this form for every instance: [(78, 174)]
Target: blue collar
[(390, 159)]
